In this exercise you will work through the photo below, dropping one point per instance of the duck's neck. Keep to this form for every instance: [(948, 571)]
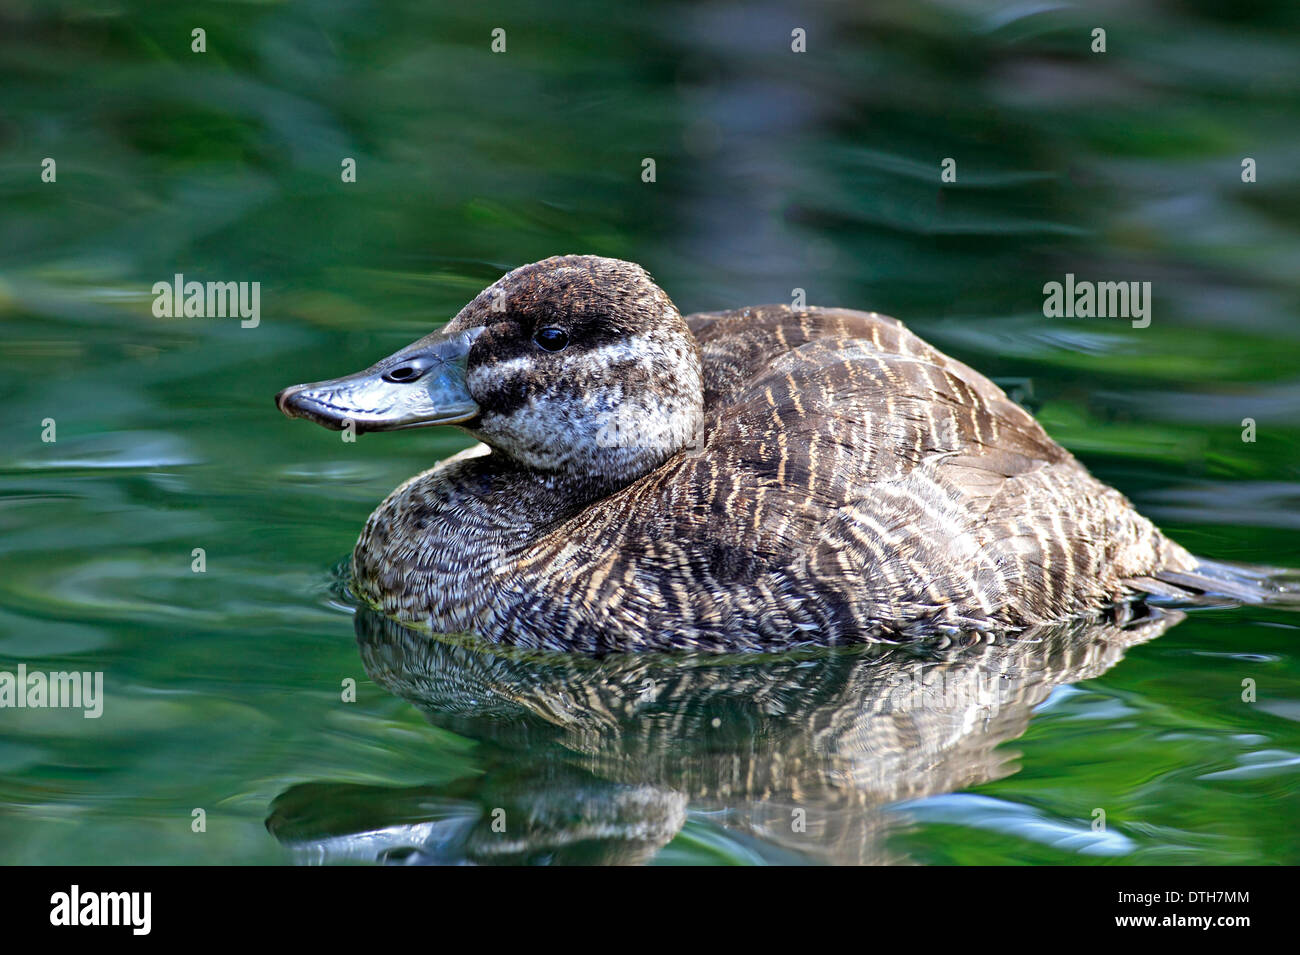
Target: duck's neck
[(441, 547)]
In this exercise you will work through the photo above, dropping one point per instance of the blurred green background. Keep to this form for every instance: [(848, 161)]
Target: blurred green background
[(775, 170)]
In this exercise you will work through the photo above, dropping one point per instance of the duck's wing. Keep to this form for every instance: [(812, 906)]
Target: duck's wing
[(894, 394), (842, 437)]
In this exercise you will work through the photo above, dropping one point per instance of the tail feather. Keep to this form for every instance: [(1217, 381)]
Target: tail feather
[(1218, 583)]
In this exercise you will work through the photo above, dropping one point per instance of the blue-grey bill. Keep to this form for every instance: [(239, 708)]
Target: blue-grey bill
[(420, 386)]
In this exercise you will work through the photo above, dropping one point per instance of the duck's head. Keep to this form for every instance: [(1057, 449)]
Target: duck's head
[(576, 364)]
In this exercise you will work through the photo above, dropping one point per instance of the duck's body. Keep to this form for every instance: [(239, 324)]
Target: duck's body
[(736, 480)]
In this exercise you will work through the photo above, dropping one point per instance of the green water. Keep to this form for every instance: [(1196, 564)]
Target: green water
[(774, 171)]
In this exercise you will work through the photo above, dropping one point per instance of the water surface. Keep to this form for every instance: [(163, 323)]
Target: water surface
[(775, 172)]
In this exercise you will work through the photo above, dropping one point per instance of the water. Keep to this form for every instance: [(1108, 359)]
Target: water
[(775, 171)]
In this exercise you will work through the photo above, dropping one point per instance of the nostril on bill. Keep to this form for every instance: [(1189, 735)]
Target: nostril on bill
[(402, 375)]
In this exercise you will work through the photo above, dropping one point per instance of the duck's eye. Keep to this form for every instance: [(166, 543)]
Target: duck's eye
[(552, 339)]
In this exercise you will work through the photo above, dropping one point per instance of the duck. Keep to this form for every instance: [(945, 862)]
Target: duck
[(756, 479)]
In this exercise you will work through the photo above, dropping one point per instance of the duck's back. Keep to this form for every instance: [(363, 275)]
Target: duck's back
[(851, 481)]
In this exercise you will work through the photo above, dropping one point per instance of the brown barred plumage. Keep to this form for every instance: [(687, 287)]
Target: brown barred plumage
[(749, 479)]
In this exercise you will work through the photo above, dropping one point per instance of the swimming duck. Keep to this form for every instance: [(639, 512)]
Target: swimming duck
[(741, 480)]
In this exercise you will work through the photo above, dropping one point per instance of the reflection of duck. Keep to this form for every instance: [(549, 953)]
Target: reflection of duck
[(737, 480), (794, 756)]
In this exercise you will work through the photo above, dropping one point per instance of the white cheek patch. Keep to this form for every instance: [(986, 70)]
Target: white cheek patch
[(641, 349), (638, 348), (555, 435), (498, 371), (613, 428)]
